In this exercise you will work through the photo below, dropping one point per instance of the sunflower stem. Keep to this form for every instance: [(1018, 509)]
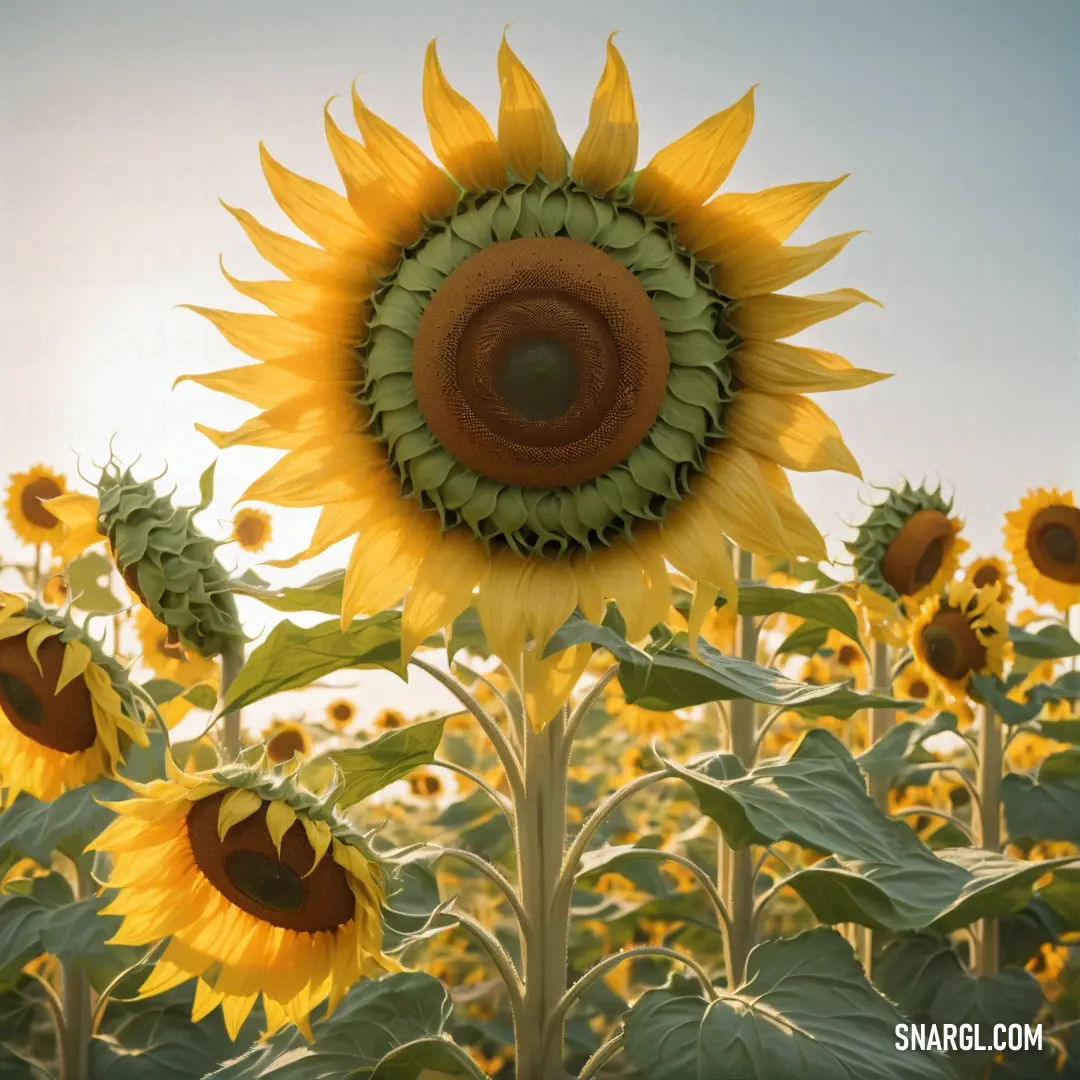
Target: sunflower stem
[(990, 766), (78, 1009), (232, 660)]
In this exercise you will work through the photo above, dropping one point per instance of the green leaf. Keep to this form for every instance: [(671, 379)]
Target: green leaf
[(390, 757), (1063, 896), (911, 970), (1046, 807), (202, 696), (784, 1021), (1052, 642), (206, 486), (467, 633), (322, 594), (295, 656), (427, 1059), (829, 609), (672, 679), (804, 640), (636, 862), (89, 578), (162, 691), (577, 630), (901, 746)]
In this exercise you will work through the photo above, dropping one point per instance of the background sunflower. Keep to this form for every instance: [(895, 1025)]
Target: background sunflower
[(31, 522)]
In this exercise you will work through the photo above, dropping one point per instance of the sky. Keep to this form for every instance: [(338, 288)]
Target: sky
[(123, 124)]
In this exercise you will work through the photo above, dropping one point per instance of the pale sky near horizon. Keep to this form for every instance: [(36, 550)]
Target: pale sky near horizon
[(123, 123)]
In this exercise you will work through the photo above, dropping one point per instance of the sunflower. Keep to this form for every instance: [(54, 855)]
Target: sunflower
[(912, 684), (67, 711), (879, 618), (424, 784), (909, 546), (389, 720), (535, 376), (55, 591), (284, 739), (340, 714), (847, 660), (990, 570), (268, 891), (815, 672), (1043, 538), (251, 528), (170, 660), (33, 524), (958, 634)]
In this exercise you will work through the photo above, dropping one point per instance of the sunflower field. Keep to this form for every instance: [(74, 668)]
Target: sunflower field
[(703, 803)]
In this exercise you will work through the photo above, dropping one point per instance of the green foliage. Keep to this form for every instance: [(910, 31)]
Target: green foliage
[(827, 609), (322, 594), (89, 581)]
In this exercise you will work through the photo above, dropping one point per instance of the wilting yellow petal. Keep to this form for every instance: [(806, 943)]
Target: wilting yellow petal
[(77, 657), (803, 536), (443, 588), (73, 510), (238, 805), (608, 149), (319, 837), (527, 132), (763, 268), (779, 368), (262, 385), (790, 430), (279, 820), (461, 137), (500, 604), (337, 521), (405, 165), (734, 488), (549, 683), (549, 597), (688, 171), (767, 318), (37, 634)]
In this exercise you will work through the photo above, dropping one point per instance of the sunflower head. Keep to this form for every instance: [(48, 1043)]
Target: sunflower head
[(284, 739), (909, 546), (168, 563), (269, 892), (55, 591), (67, 711), (537, 377), (424, 784), (389, 720), (251, 528), (340, 714), (168, 659), (958, 634), (815, 672), (990, 570), (1043, 538), (913, 684), (32, 522)]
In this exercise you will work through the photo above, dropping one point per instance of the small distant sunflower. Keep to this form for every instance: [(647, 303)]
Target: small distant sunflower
[(55, 591), (913, 685), (537, 376), (1043, 538), (815, 672), (909, 546), (340, 714), (268, 892), (847, 660), (284, 739), (67, 711), (958, 634), (425, 784), (389, 720), (990, 570), (33, 524), (170, 660), (251, 528)]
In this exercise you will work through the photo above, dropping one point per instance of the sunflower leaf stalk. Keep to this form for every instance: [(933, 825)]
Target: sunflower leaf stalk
[(77, 1006)]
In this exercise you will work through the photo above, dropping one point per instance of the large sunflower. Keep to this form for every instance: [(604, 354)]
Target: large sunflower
[(958, 634), (909, 546), (33, 524), (1043, 538), (538, 376), (266, 891), (67, 711)]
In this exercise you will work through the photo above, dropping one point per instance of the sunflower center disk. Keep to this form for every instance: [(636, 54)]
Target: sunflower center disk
[(952, 648), (282, 747), (246, 870), (917, 551), (540, 362), (30, 501), (28, 698), (986, 575), (1054, 543)]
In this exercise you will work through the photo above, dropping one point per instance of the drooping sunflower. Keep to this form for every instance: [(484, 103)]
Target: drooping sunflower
[(32, 523), (537, 376), (251, 528), (67, 711), (958, 634), (340, 714), (909, 546), (284, 739), (990, 570), (1043, 538), (268, 891), (912, 684)]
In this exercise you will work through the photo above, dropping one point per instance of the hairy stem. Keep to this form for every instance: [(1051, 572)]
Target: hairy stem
[(581, 710), (604, 1053), (232, 660), (990, 765), (496, 877), (77, 1006), (499, 800)]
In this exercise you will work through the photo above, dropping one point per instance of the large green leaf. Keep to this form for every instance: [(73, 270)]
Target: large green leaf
[(295, 656), (995, 693), (805, 1010), (376, 1018), (467, 633), (1063, 896), (1052, 642), (805, 640), (828, 609), (911, 970), (577, 630), (390, 757), (940, 891), (90, 580), (672, 679), (902, 746), (321, 594), (1047, 806), (427, 1059)]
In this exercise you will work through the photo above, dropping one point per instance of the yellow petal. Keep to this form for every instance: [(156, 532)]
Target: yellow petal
[(237, 806), (499, 604), (629, 575), (461, 137), (803, 536), (279, 820), (733, 486), (688, 171), (262, 385), (443, 587), (77, 657), (608, 149), (236, 1010), (408, 168), (527, 132), (779, 368), (263, 337), (293, 258), (303, 421), (549, 598), (550, 682), (38, 633), (767, 318), (591, 597), (790, 430), (206, 1001), (763, 268), (74, 510), (319, 837), (305, 477), (338, 521)]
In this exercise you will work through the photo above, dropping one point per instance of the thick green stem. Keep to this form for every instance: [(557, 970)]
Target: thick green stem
[(232, 660), (990, 766), (541, 837), (77, 1006), (736, 883)]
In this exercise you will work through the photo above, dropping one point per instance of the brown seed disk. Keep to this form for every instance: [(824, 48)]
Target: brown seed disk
[(847, 655), (1053, 543), (282, 747), (919, 689), (33, 511), (917, 551), (986, 575), (63, 721), (250, 531), (342, 713), (327, 901), (951, 646), (598, 388)]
